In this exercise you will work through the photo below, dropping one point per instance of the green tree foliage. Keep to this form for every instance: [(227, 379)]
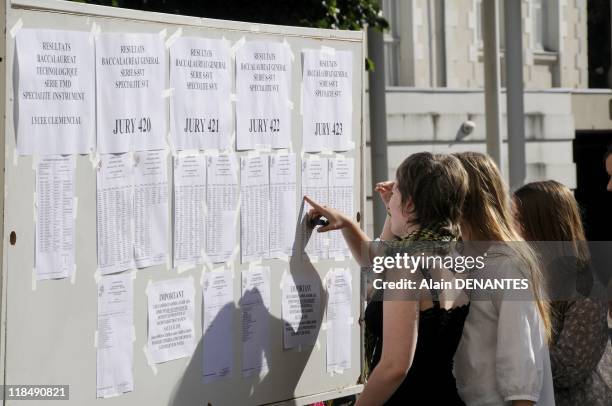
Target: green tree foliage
[(335, 14)]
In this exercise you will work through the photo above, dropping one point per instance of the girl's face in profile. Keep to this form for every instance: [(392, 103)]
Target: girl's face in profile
[(400, 216)]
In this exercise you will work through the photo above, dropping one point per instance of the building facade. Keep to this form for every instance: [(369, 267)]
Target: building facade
[(435, 79)]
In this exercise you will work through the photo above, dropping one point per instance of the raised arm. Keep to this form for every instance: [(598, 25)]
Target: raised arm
[(358, 242)]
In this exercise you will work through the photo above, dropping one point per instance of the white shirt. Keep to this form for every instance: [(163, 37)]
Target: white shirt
[(503, 355)]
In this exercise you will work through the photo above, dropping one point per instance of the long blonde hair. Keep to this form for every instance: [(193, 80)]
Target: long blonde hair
[(488, 217)]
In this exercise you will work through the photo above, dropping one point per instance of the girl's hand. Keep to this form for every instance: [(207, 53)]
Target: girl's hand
[(385, 190), (336, 219)]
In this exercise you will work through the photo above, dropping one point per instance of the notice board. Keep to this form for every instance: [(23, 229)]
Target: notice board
[(49, 326)]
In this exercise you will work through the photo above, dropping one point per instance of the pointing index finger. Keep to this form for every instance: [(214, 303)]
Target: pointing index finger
[(315, 205)]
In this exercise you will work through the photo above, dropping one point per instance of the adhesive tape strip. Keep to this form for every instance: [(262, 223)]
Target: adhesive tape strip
[(94, 158), (202, 277), (167, 93), (239, 44), (35, 160), (97, 276), (73, 276), (185, 267), (94, 32), (286, 44), (149, 360), (16, 27), (172, 38)]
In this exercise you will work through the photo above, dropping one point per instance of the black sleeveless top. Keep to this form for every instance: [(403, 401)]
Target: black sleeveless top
[(430, 380)]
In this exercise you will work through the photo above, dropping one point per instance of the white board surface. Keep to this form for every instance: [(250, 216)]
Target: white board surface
[(50, 325)]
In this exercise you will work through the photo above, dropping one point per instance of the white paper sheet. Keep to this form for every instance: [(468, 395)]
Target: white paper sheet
[(327, 102), (341, 181), (283, 205), (222, 207), (301, 309), (189, 208), (255, 207), (201, 109), (171, 333), (130, 78), (339, 319), (217, 325), (56, 93), (263, 89), (115, 207), (255, 316), (55, 217), (315, 183), (150, 208), (115, 352)]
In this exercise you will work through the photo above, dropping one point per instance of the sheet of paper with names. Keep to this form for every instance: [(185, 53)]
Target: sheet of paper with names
[(255, 207), (217, 325), (114, 346), (222, 195), (283, 205), (341, 195), (315, 184), (189, 209), (150, 208), (339, 319), (255, 316), (115, 206), (55, 211)]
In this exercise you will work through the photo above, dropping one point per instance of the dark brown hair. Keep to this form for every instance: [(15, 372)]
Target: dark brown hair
[(437, 185), (548, 211)]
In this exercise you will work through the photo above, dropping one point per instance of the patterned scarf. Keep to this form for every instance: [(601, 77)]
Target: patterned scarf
[(414, 242)]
